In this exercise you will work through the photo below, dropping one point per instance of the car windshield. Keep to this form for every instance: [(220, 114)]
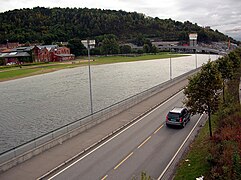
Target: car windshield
[(173, 115)]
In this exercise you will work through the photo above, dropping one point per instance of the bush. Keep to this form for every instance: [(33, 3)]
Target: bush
[(225, 149)]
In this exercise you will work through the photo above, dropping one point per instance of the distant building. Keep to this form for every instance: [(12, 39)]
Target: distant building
[(15, 57), (207, 27), (43, 53), (61, 54), (193, 39), (133, 46), (165, 43), (52, 53)]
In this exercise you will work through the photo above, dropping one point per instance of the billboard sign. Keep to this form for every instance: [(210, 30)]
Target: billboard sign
[(193, 36), (90, 43)]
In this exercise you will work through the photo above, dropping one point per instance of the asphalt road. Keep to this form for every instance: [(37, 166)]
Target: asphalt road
[(147, 145)]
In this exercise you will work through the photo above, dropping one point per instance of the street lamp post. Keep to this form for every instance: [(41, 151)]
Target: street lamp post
[(196, 58), (91, 101), (170, 65), (89, 44)]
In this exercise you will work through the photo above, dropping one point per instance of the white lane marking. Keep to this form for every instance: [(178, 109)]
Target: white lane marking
[(159, 178), (114, 136)]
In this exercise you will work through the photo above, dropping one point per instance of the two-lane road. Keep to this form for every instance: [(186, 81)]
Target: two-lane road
[(146, 145)]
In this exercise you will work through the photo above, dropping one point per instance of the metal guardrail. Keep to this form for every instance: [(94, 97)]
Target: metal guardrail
[(57, 136)]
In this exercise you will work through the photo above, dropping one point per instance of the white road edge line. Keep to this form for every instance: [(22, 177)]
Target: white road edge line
[(159, 178), (114, 136)]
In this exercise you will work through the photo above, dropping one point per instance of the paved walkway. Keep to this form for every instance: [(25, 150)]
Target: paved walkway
[(41, 164)]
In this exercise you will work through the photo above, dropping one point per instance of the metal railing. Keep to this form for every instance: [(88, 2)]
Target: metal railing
[(35, 146)]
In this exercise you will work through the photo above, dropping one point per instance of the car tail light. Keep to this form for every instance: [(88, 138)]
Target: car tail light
[(166, 118), (180, 119)]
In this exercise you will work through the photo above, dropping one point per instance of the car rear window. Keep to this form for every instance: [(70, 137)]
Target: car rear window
[(173, 115)]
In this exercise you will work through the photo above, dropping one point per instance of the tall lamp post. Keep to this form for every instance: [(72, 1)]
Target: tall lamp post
[(170, 65), (89, 44), (196, 58)]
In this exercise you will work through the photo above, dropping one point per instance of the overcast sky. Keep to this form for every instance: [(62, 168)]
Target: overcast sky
[(224, 15)]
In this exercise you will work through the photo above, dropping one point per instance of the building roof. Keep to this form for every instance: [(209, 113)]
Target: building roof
[(24, 48), (48, 47), (14, 54), (29, 48)]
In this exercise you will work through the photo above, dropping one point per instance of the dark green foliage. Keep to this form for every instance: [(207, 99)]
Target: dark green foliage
[(233, 56), (76, 47), (109, 46), (225, 145), (233, 88), (237, 165), (154, 49), (95, 51), (203, 89), (146, 48), (2, 62), (125, 49), (62, 24), (225, 67)]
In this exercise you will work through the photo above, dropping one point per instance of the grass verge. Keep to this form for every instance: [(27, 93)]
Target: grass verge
[(195, 163)]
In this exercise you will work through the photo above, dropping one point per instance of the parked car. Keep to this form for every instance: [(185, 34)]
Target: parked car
[(178, 116)]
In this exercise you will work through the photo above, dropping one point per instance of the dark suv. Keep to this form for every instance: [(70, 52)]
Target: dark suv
[(178, 116)]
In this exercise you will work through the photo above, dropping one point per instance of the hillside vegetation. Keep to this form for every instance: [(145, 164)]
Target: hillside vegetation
[(47, 25), (219, 156)]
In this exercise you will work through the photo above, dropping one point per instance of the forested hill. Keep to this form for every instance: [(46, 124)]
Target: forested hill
[(62, 24)]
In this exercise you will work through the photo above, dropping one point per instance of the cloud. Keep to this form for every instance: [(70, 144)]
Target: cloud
[(234, 30)]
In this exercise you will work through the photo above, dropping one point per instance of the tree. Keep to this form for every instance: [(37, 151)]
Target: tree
[(233, 56), (61, 24), (76, 47), (154, 49), (140, 40), (125, 49), (203, 91), (146, 48), (226, 70), (110, 46)]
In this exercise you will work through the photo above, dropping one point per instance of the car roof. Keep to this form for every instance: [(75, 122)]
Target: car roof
[(177, 109)]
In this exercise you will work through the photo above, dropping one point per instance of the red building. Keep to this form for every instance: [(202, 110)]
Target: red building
[(61, 54), (52, 53)]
